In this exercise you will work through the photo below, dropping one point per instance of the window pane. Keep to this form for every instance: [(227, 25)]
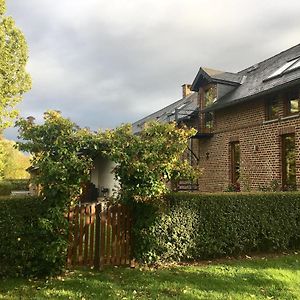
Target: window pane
[(280, 70), (273, 110), (209, 96), (295, 66), (235, 163), (294, 106), (289, 162), (208, 120)]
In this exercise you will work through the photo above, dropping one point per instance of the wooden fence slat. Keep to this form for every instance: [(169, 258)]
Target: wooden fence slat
[(76, 236), (116, 235), (123, 236), (97, 238), (108, 237), (86, 234), (81, 221), (119, 230), (128, 221), (112, 222), (112, 258), (102, 238), (71, 238), (92, 233)]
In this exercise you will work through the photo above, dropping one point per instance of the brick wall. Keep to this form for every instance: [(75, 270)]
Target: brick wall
[(260, 145)]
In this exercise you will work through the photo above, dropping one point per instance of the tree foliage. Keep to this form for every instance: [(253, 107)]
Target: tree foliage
[(13, 163), (57, 147), (62, 153), (58, 152), (145, 163), (14, 80), (149, 161)]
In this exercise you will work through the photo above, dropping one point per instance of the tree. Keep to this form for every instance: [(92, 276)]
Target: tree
[(149, 161), (14, 80), (13, 162)]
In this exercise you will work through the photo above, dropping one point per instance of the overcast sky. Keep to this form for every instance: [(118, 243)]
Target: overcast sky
[(103, 63)]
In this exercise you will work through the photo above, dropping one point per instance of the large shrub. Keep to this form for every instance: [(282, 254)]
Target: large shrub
[(147, 163), (201, 226), (26, 247), (61, 152)]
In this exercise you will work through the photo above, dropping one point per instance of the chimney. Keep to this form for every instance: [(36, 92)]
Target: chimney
[(186, 90)]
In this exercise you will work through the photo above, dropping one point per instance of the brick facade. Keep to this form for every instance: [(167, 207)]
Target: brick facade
[(260, 146)]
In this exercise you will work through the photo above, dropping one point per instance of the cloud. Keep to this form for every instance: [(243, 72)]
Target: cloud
[(103, 63)]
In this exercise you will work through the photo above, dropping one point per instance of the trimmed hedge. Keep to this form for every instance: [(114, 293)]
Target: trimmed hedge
[(26, 245), (6, 186), (19, 184), (203, 226)]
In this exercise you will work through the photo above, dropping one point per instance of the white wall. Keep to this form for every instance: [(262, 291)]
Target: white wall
[(102, 175)]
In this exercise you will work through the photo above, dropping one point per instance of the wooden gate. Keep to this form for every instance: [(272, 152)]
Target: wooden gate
[(99, 235)]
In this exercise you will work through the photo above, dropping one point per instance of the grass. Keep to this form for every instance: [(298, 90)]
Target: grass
[(261, 278)]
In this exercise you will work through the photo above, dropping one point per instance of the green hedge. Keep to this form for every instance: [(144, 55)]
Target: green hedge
[(6, 186), (26, 247), (19, 184), (202, 226)]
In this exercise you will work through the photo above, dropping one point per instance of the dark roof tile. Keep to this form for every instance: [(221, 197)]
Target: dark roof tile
[(183, 108)]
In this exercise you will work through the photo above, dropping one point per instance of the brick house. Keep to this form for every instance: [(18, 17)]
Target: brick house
[(248, 124)]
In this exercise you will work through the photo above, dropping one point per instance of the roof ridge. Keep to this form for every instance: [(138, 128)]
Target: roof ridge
[(259, 63)]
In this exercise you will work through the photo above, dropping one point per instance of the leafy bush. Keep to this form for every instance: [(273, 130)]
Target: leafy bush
[(19, 184), (25, 247), (202, 226), (163, 236), (5, 188)]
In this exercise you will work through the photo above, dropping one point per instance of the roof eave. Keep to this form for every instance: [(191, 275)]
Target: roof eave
[(215, 106), (221, 81)]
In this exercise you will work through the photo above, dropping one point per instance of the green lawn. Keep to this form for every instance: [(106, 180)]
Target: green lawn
[(264, 278)]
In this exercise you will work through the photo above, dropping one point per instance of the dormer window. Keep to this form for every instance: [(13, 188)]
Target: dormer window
[(210, 96)]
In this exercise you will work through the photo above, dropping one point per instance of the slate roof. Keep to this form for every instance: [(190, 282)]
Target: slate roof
[(254, 80), (179, 110)]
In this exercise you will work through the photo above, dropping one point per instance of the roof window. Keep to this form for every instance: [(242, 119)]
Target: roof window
[(287, 67)]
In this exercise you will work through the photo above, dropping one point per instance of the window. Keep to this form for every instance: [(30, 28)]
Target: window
[(208, 120), (291, 65), (288, 162), (210, 96), (272, 109), (235, 163), (293, 103)]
